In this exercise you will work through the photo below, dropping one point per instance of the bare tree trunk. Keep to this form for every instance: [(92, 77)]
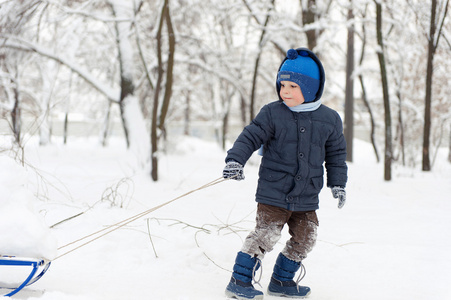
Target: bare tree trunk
[(66, 112), (15, 115), (169, 70), (349, 97), (243, 111), (254, 85), (106, 125), (225, 124), (66, 127), (401, 129), (10, 86), (15, 112), (154, 124), (364, 97), (308, 17), (370, 112), (388, 154), (159, 124), (127, 88), (428, 97), (187, 120), (257, 62), (433, 41)]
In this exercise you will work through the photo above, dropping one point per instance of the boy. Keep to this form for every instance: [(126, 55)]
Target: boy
[(296, 134)]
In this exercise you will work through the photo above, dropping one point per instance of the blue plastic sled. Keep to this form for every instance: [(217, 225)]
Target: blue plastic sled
[(35, 264)]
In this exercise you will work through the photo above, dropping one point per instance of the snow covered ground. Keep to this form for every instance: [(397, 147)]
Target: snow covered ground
[(390, 241)]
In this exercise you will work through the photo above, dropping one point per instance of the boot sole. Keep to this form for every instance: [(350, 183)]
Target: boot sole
[(288, 296), (229, 294)]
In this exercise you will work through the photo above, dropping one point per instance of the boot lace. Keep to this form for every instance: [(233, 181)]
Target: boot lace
[(258, 263), (301, 275)]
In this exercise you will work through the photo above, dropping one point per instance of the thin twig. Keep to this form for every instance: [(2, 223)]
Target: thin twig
[(150, 237), (65, 220), (177, 222)]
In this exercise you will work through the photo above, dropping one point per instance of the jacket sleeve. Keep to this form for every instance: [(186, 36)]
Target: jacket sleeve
[(337, 170), (252, 137)]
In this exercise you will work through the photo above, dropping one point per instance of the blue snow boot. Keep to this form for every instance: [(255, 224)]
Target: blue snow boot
[(282, 283), (240, 285)]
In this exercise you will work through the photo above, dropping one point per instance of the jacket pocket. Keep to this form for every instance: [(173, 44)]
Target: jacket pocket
[(274, 184), (270, 175), (317, 183)]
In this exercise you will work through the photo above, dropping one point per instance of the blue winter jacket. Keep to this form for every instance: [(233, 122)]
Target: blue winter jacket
[(296, 144)]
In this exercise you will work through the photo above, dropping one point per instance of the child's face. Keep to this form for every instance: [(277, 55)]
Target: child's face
[(291, 93)]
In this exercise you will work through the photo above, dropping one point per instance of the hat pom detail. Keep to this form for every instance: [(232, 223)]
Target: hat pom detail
[(292, 54)]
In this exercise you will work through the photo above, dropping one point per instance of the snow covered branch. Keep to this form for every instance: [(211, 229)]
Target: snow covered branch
[(17, 43)]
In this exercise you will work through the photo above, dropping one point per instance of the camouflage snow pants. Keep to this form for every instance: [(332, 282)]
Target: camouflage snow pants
[(270, 220)]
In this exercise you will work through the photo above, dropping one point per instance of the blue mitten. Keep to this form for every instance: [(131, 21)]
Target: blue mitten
[(233, 170), (340, 193)]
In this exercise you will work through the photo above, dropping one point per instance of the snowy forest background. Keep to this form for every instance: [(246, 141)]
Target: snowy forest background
[(147, 70), (109, 108)]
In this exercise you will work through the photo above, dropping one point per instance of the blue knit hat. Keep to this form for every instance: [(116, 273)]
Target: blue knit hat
[(302, 67)]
